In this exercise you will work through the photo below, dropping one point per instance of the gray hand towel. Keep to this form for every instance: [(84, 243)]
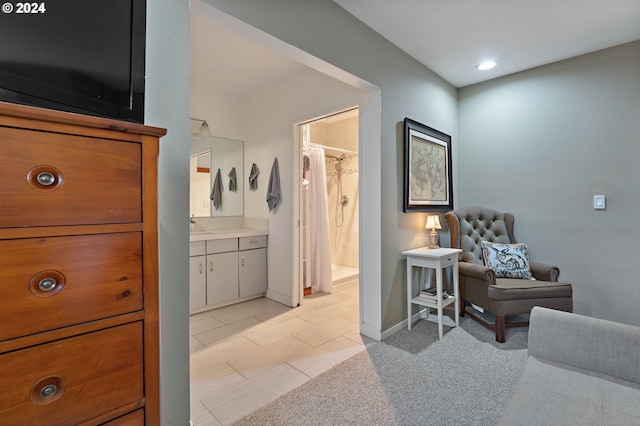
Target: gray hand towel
[(216, 192), (253, 177), (233, 183), (273, 190)]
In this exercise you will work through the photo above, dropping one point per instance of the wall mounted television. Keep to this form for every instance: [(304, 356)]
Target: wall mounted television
[(83, 56)]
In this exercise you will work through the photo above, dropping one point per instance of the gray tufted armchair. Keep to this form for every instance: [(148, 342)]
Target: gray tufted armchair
[(479, 285)]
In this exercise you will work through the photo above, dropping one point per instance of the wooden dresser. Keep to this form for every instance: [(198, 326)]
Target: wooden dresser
[(79, 323)]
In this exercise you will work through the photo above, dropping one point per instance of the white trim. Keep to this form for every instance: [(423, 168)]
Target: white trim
[(403, 324), (370, 219), (393, 330)]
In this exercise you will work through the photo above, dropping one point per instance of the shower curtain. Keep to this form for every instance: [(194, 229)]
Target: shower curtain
[(320, 253)]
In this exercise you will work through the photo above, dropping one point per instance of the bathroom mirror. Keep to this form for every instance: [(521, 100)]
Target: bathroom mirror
[(208, 155)]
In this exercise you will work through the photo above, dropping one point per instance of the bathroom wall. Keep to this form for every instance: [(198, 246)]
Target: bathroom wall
[(224, 113)]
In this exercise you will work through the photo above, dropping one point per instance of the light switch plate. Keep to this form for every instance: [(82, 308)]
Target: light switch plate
[(599, 202)]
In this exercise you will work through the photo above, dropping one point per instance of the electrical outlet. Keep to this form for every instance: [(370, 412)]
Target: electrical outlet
[(599, 202)]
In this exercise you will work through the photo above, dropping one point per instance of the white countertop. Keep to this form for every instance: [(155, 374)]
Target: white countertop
[(218, 234)]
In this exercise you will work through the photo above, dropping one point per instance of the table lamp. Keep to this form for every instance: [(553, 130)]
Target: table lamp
[(433, 223)]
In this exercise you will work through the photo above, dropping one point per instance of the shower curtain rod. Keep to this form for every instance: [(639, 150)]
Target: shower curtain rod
[(333, 148)]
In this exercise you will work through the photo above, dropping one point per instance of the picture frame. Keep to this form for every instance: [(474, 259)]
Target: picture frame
[(428, 185)]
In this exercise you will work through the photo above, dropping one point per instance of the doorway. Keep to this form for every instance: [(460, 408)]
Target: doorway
[(284, 228), (329, 243)]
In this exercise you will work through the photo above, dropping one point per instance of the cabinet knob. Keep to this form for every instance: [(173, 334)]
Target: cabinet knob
[(211, 266), (45, 178), (47, 390), (47, 283)]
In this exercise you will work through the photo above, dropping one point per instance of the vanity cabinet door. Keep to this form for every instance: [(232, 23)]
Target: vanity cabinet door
[(197, 282), (253, 272), (222, 277)]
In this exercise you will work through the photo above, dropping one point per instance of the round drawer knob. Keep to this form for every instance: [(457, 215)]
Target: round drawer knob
[(46, 178), (47, 284), (47, 390)]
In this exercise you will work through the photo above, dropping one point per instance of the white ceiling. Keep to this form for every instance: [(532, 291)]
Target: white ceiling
[(448, 36), (451, 37)]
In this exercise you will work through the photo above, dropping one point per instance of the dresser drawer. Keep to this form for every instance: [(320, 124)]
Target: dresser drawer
[(48, 283), (52, 179), (73, 380)]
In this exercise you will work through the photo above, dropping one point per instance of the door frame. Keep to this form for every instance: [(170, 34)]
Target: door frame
[(298, 200)]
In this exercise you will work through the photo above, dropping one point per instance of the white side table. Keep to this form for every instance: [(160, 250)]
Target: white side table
[(437, 259)]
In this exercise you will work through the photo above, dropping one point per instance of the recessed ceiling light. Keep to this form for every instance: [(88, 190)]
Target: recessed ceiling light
[(486, 65)]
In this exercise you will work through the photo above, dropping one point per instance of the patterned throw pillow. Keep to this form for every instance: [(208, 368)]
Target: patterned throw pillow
[(507, 260)]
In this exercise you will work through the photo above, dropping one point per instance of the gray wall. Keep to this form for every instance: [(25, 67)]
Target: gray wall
[(167, 105), (540, 144), (325, 30)]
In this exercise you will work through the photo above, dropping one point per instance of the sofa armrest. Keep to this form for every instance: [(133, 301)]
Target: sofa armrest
[(480, 272), (587, 343), (544, 272)]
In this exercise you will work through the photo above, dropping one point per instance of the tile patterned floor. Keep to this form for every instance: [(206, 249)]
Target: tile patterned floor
[(246, 355)]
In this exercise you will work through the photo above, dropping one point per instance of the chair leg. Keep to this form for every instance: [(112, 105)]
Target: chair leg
[(500, 329), (462, 307)]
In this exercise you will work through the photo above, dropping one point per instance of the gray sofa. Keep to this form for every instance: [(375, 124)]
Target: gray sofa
[(580, 371)]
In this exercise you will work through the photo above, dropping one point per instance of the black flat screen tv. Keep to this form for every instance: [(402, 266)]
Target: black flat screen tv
[(83, 56)]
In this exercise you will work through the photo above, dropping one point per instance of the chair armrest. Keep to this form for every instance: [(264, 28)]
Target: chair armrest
[(479, 272), (544, 272), (587, 343)]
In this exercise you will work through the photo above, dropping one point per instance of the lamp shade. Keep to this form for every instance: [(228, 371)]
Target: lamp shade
[(433, 222)]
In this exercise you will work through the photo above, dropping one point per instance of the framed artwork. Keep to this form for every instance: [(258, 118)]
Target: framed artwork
[(427, 169)]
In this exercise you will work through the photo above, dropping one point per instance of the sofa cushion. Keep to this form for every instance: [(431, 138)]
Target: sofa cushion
[(550, 393), (507, 260)]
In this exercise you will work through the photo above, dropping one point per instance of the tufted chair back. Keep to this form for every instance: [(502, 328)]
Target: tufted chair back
[(470, 225)]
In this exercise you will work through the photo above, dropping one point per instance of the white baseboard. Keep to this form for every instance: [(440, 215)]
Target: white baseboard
[(393, 330), (279, 297)]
